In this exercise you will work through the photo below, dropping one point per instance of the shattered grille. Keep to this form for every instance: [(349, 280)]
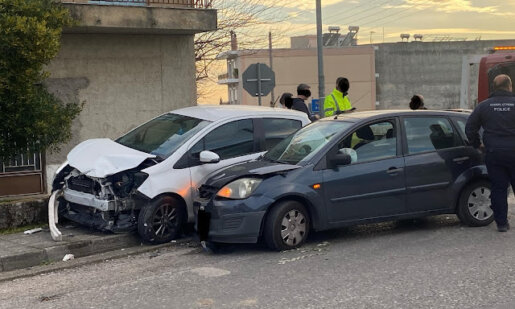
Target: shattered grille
[(207, 192), (82, 184)]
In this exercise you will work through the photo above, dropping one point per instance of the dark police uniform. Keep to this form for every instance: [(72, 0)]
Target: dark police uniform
[(496, 116)]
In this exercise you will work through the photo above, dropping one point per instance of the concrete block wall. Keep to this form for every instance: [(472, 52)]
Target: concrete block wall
[(432, 69), (23, 212), (122, 79)]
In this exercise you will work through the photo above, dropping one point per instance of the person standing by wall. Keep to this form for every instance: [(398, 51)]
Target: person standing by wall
[(417, 102), (338, 100), (303, 93), (496, 115), (286, 100)]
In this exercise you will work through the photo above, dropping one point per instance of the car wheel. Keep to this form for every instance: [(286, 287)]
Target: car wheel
[(161, 220), (287, 226), (474, 208)]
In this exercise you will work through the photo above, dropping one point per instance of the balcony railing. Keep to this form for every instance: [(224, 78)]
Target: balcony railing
[(198, 4)]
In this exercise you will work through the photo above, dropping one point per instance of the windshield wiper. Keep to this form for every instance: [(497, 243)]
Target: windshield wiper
[(159, 158), (275, 161)]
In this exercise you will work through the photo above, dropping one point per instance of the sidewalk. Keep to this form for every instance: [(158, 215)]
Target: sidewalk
[(19, 251)]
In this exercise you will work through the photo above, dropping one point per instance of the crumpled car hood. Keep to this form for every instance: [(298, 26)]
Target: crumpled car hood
[(102, 157), (259, 167)]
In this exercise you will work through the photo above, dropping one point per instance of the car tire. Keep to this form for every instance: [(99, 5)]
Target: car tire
[(161, 220), (287, 226), (474, 206)]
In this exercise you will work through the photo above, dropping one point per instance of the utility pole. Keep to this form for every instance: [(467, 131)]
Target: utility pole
[(371, 32), (320, 43), (272, 97)]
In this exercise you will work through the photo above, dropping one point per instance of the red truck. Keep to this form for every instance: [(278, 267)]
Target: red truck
[(501, 61)]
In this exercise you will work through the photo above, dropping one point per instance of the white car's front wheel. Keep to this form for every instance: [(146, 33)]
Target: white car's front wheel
[(161, 220)]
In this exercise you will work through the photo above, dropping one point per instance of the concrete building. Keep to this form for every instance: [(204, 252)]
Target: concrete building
[(295, 66), (433, 69), (127, 61), (444, 72)]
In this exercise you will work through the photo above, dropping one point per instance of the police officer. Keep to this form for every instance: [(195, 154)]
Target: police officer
[(496, 115), (338, 100)]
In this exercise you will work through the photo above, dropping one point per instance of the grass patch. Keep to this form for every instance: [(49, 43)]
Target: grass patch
[(20, 229)]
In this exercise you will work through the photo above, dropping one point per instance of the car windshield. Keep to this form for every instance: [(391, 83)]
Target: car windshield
[(306, 142), (163, 135)]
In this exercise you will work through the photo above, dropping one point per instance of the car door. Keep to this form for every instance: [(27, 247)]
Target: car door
[(435, 156), (235, 141), (373, 185)]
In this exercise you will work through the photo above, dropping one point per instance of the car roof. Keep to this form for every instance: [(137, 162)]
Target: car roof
[(221, 112), (358, 116)]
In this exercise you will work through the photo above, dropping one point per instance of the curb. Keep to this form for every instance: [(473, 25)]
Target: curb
[(38, 256), (91, 259)]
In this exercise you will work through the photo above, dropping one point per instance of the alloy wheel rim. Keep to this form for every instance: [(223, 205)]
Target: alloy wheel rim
[(479, 204), (164, 220), (293, 227)]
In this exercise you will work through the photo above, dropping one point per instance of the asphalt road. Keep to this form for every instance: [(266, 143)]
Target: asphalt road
[(432, 263)]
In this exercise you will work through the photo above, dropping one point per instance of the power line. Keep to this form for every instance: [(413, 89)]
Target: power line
[(327, 20)]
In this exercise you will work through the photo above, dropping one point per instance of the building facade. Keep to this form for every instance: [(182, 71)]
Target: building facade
[(295, 66), (127, 61)]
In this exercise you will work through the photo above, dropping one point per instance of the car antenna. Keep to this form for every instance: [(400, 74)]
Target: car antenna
[(344, 112)]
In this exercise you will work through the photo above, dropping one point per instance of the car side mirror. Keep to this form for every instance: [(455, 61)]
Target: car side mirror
[(340, 159), (207, 156)]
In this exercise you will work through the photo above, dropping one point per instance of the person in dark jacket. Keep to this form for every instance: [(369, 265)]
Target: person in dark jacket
[(417, 102), (496, 115), (286, 100), (303, 93)]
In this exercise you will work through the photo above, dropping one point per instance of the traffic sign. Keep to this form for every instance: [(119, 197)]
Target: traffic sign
[(258, 80), (315, 106)]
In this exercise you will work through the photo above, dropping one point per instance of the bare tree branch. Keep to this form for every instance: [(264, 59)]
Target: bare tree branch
[(247, 18)]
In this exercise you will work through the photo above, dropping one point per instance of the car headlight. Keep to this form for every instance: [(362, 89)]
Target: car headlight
[(239, 189)]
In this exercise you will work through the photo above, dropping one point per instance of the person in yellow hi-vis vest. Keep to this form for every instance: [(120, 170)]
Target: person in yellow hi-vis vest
[(337, 101)]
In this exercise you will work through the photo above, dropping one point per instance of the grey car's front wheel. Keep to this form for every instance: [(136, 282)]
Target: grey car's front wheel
[(161, 220), (474, 207), (287, 226)]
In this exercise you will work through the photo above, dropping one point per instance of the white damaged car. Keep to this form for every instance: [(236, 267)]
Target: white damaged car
[(147, 179)]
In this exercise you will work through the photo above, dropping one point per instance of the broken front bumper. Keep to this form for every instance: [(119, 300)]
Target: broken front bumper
[(87, 199), (230, 221)]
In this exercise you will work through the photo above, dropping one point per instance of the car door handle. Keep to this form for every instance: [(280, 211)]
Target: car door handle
[(460, 159), (394, 170)]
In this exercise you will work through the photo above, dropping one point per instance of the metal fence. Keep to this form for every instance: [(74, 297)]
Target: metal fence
[(22, 175), (27, 162), (199, 4)]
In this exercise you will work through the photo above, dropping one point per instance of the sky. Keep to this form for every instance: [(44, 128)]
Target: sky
[(384, 21), (435, 19)]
